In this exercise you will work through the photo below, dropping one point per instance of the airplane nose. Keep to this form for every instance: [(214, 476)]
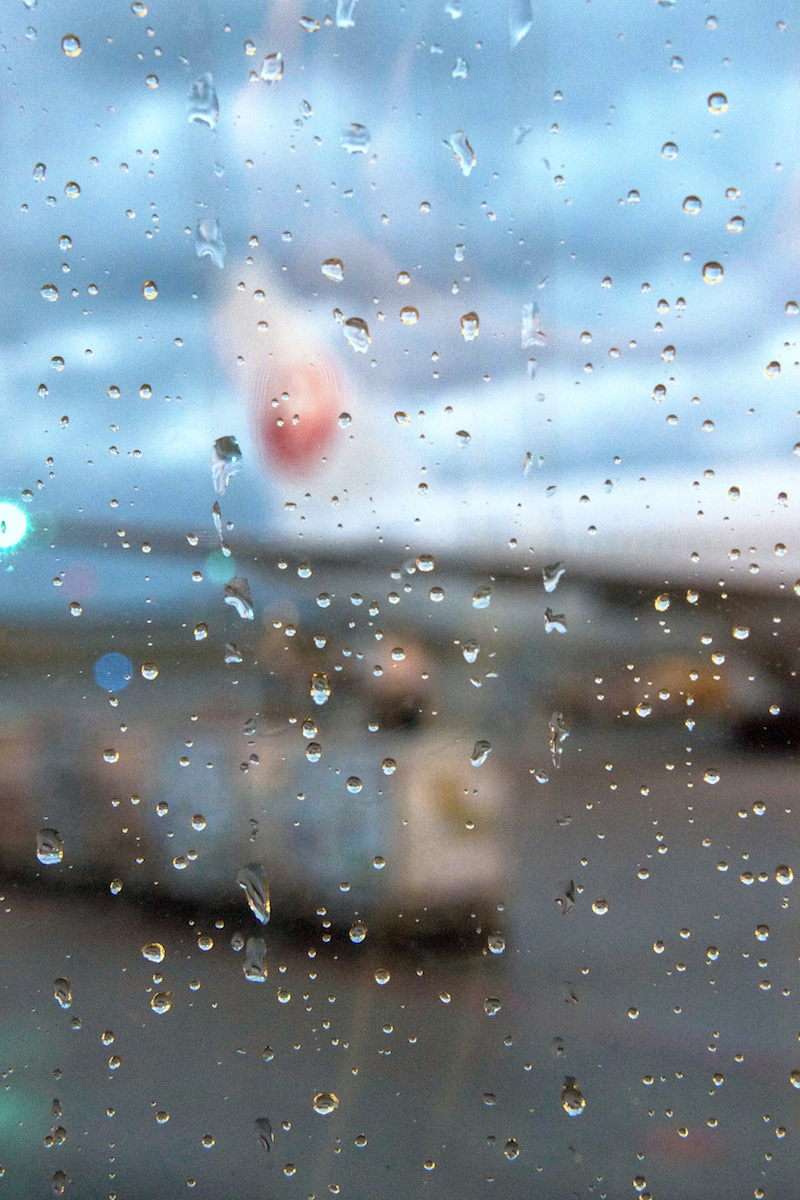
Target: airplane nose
[(295, 407)]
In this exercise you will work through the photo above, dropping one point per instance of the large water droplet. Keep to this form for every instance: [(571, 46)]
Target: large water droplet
[(238, 595), (264, 1131), (253, 880), (320, 688), (355, 138), (333, 268), (572, 1097), (71, 45), (784, 875), (482, 598), (149, 290), (520, 20), (551, 576), (208, 241), (718, 102), (161, 1002), (153, 952), (49, 847), (480, 752), (358, 931), (554, 622), (272, 68), (357, 334), (465, 155), (558, 735), (255, 960), (470, 326), (325, 1103), (62, 990), (344, 13), (49, 291), (203, 103), (713, 272), (226, 461)]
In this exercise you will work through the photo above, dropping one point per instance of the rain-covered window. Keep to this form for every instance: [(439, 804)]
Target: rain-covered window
[(398, 631)]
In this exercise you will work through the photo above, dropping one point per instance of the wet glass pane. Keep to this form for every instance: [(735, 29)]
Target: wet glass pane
[(398, 581)]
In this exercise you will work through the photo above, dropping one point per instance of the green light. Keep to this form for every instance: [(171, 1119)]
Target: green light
[(13, 525)]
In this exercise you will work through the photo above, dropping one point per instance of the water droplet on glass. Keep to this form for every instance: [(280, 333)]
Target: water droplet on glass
[(320, 688), (49, 292), (460, 69), (572, 1098), (692, 205), (325, 1103), (470, 650), (149, 290), (520, 20), (226, 461), (238, 595), (470, 326), (161, 1002), (713, 272), (356, 333), (643, 709), (358, 931), (382, 976), (309, 24), (409, 315), (313, 752), (794, 1077), (153, 952), (480, 752), (600, 907), (465, 155), (253, 880), (62, 990), (718, 102), (203, 105), (558, 735), (151, 81), (711, 776), (208, 241), (200, 631), (59, 1182), (741, 632), (355, 138), (49, 847), (39, 172), (70, 45), (496, 943), (662, 602), (784, 875), (264, 1132), (551, 576), (554, 622), (772, 369), (333, 268), (482, 598), (354, 785), (255, 960), (511, 1149), (491, 1006), (272, 68), (388, 766), (344, 13)]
